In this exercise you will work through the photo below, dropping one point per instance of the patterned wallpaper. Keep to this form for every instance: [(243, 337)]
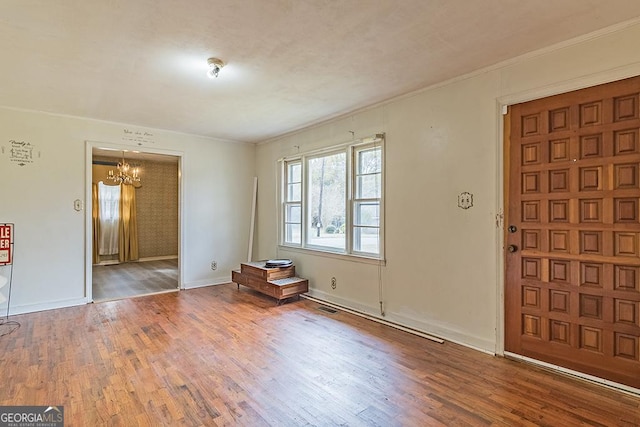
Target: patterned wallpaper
[(157, 200)]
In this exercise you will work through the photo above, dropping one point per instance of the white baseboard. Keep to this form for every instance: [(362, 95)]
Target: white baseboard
[(32, 308), (158, 258), (151, 258), (203, 283), (426, 326), (108, 262)]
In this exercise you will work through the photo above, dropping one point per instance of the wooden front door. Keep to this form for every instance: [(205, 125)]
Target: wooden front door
[(572, 289)]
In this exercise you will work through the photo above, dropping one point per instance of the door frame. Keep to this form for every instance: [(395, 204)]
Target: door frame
[(89, 146), (502, 144)]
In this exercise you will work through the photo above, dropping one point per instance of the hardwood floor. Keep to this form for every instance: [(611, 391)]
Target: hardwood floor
[(222, 356), (133, 279)]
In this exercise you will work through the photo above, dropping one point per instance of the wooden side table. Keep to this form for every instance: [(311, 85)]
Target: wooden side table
[(280, 283)]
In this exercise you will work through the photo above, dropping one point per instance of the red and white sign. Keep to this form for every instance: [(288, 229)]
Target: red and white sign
[(6, 244)]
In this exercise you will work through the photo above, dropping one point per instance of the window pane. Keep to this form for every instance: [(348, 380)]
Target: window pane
[(294, 193), (366, 239), (327, 193), (368, 187), (367, 214), (292, 233), (369, 161), (293, 214), (295, 172)]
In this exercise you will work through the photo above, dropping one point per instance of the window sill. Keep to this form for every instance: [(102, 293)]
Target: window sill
[(345, 257)]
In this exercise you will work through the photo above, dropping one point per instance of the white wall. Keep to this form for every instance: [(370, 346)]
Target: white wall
[(49, 267), (443, 269)]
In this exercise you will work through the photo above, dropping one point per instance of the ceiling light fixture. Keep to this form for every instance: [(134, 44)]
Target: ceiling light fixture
[(215, 65)]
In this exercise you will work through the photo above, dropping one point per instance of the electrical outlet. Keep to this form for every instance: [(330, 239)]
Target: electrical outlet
[(214, 265), (334, 283)]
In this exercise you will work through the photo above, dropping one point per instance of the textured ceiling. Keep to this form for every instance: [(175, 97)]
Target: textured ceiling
[(291, 63)]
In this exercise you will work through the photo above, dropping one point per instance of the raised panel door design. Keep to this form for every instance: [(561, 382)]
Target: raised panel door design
[(626, 346), (591, 242), (625, 210), (591, 178), (531, 240), (626, 244), (626, 311), (625, 107), (531, 268), (627, 278), (591, 146), (531, 325), (531, 125), (559, 301), (572, 291), (559, 271), (626, 141), (531, 297), (531, 182), (559, 150), (531, 154), (591, 210), (591, 274), (531, 211), (591, 338), (626, 176), (591, 306), (558, 210), (559, 241), (559, 180), (591, 114), (559, 119), (559, 331)]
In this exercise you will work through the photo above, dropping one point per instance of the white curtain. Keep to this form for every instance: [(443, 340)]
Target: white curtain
[(109, 205)]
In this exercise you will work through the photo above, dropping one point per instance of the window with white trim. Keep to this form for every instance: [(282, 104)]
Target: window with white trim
[(332, 200), (366, 201), (293, 203)]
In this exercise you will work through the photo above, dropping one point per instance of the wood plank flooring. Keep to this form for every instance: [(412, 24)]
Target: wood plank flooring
[(131, 279), (221, 356)]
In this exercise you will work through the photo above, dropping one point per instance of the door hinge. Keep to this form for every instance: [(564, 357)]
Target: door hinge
[(500, 219)]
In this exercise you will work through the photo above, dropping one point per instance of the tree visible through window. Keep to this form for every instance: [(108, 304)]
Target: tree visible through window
[(327, 198)]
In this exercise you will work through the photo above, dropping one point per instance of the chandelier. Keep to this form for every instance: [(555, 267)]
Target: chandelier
[(126, 174)]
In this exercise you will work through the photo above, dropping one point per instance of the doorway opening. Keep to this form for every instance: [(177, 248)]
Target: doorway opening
[(134, 239)]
